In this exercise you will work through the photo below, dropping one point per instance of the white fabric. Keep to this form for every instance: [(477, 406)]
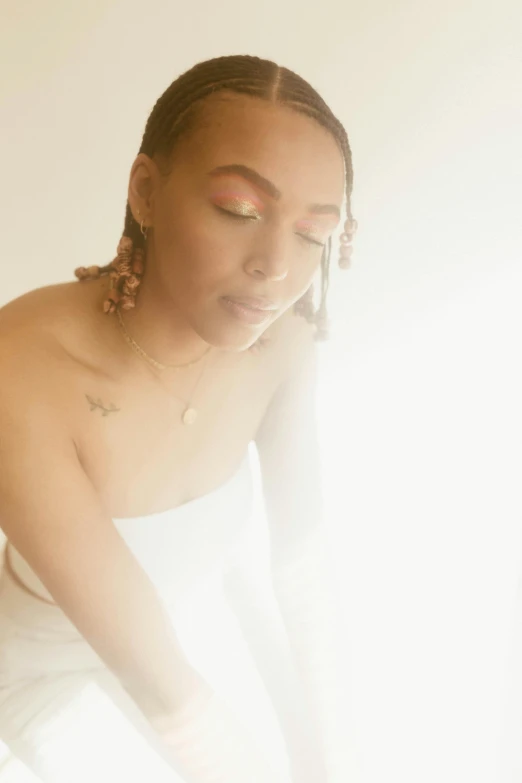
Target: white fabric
[(305, 595), (68, 718), (179, 547)]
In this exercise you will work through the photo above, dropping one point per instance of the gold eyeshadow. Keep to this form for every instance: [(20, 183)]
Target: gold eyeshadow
[(238, 203), (239, 206)]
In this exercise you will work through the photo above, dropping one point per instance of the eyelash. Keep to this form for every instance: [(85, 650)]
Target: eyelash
[(235, 216)]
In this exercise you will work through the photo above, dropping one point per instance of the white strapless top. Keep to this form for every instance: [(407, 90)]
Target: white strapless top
[(180, 547)]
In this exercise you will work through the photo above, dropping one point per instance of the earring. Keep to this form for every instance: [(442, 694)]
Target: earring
[(143, 228), (346, 239)]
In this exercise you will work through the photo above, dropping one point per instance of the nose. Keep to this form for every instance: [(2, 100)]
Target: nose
[(270, 258)]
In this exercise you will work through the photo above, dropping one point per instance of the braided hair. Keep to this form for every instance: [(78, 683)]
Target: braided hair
[(176, 113)]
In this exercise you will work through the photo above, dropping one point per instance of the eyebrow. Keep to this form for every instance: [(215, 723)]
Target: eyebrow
[(268, 187)]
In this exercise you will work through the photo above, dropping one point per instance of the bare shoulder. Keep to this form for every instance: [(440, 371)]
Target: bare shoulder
[(27, 307), (35, 317), (56, 320), (31, 351)]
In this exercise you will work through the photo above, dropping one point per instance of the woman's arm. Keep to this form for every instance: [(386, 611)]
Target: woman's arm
[(247, 587), (51, 513), (288, 448)]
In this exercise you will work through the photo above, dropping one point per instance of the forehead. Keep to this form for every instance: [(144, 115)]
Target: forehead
[(292, 150)]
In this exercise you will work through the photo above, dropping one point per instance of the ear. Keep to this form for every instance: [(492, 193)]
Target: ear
[(143, 181)]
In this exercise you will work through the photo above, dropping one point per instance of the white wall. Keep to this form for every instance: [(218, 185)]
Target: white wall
[(422, 388)]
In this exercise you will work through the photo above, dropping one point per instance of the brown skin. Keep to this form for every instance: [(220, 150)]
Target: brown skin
[(67, 470), (197, 255)]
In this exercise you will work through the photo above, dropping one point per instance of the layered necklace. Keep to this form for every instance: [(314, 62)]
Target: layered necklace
[(190, 413)]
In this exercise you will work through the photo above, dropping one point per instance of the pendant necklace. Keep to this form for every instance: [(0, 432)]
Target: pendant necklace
[(190, 413)]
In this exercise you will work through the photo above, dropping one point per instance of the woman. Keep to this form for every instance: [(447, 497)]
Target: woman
[(127, 406)]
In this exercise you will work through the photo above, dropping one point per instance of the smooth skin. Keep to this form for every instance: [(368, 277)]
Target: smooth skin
[(67, 470)]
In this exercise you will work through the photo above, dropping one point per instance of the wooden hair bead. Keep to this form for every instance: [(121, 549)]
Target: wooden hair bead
[(125, 246), (123, 267), (127, 302), (346, 239), (87, 273), (138, 262), (112, 300), (131, 285), (125, 273)]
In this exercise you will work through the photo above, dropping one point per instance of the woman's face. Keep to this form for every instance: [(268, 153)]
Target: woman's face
[(249, 201)]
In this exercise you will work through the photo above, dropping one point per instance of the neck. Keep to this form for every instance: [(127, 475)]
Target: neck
[(161, 330)]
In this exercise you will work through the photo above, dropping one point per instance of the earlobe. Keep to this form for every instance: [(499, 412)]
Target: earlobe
[(141, 186)]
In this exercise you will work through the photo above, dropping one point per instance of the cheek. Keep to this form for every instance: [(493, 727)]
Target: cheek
[(211, 256), (203, 255), (303, 272), (196, 256)]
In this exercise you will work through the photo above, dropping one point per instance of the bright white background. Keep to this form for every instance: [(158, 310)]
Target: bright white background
[(420, 397)]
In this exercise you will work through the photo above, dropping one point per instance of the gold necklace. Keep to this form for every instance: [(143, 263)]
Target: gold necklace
[(139, 350), (189, 414)]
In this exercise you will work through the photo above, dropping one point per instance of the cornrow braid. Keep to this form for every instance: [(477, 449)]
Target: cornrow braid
[(176, 113)]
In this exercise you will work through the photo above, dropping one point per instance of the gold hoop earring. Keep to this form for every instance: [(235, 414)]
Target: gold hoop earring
[(143, 230)]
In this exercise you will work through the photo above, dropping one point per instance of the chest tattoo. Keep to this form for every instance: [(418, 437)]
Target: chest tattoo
[(98, 405)]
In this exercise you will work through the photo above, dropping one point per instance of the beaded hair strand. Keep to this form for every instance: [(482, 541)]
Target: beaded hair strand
[(176, 113), (126, 270)]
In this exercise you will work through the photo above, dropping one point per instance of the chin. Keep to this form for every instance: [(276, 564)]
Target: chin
[(235, 340), (239, 345)]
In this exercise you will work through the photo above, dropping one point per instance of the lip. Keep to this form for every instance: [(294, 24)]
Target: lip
[(254, 302), (246, 313)]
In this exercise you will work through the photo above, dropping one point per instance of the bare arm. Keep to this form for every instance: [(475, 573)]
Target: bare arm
[(51, 513), (247, 586), (288, 447)]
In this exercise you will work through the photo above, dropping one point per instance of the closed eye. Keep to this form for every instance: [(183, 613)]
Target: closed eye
[(312, 241), (237, 216)]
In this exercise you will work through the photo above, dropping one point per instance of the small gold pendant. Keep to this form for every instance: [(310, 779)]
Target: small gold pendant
[(190, 416)]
